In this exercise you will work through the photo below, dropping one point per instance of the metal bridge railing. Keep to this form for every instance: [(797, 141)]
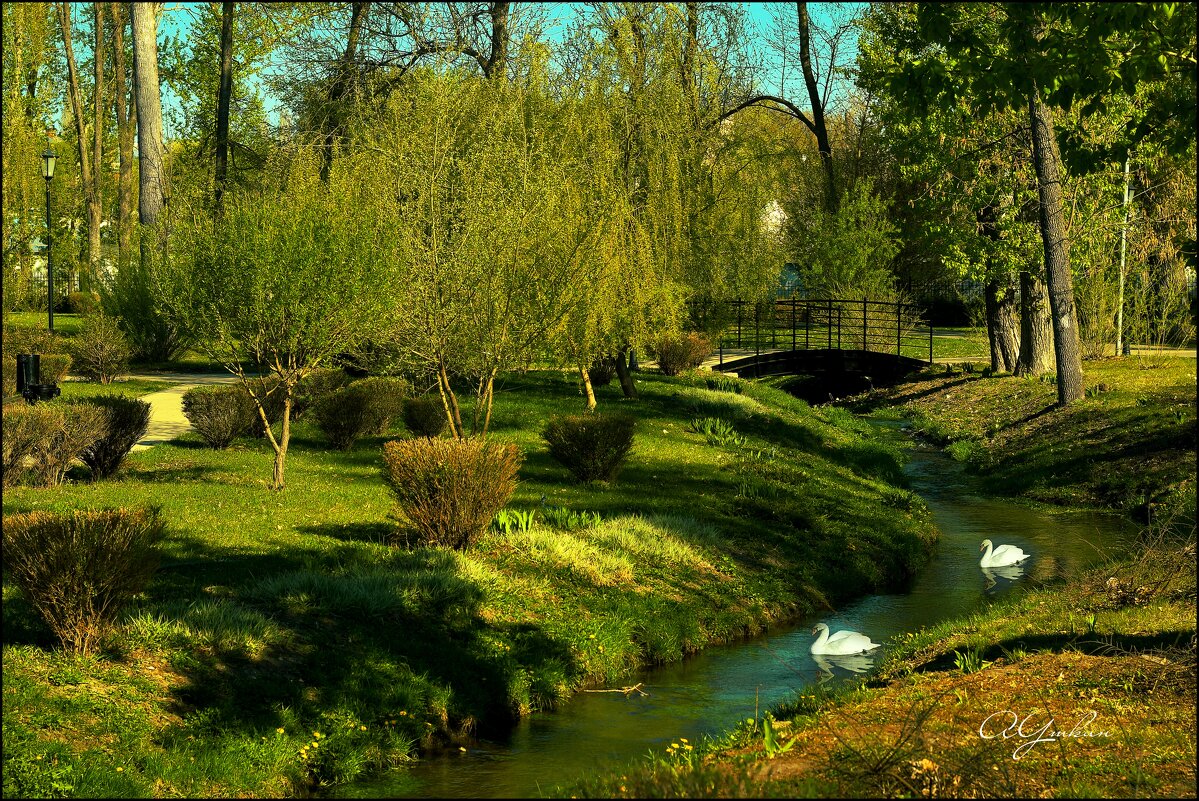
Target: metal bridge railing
[(832, 324)]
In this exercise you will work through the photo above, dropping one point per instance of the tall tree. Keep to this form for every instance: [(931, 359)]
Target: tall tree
[(150, 146), (1036, 58), (224, 92), (126, 109), (90, 163)]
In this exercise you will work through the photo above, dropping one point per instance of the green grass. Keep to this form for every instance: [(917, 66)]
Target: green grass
[(132, 387), (292, 611), (65, 324)]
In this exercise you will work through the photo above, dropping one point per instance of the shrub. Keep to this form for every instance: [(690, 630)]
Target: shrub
[(54, 367), (31, 340), (449, 490), (82, 302), (24, 427), (315, 386), (602, 372), (363, 408), (424, 416), (130, 297), (77, 570), (676, 353), (218, 414), (100, 351), (126, 420), (387, 395), (592, 447), (41, 441)]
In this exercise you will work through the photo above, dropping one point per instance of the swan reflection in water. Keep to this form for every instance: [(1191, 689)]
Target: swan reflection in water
[(1009, 572), (854, 663)]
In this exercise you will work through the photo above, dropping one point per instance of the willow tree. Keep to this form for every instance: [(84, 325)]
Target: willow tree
[(28, 52), (488, 224), (286, 279)]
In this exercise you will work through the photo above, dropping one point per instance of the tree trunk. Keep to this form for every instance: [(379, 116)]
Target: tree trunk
[(1002, 329), (95, 202), (818, 126), (449, 401), (284, 439), (224, 93), (87, 176), (588, 391), (1036, 328), (125, 128), (622, 372), (497, 61), (1047, 162), (152, 183), (340, 86)]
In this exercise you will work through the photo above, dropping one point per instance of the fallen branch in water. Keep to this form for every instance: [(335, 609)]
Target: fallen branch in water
[(636, 688)]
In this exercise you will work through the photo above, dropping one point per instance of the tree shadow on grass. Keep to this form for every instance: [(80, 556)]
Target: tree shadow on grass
[(377, 533), (347, 632)]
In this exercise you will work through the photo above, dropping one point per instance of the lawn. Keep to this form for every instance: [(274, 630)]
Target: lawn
[(278, 616)]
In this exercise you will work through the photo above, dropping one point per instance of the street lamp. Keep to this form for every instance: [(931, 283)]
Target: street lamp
[(48, 172)]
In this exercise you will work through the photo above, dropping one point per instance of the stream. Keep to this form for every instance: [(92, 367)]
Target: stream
[(709, 692)]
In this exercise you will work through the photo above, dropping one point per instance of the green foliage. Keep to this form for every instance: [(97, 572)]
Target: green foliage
[(717, 431), (41, 441), (568, 519), (82, 302), (424, 416), (846, 254), (678, 353), (78, 570), (770, 740), (448, 490), (725, 383), (126, 420), (100, 351), (316, 385), (133, 297), (508, 520), (365, 407), (592, 447), (970, 660), (219, 414)]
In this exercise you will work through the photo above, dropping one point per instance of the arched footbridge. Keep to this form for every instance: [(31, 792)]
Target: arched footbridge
[(843, 342)]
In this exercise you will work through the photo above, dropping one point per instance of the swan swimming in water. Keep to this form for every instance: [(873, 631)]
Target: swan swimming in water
[(1002, 556), (843, 642)]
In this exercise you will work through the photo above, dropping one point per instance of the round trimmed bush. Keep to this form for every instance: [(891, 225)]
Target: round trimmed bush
[(593, 447)]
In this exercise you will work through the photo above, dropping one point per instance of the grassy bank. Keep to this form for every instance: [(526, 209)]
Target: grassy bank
[(1128, 445), (1108, 658), (1111, 673), (284, 644)]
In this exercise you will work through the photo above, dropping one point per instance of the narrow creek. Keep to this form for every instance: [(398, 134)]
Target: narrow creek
[(710, 692)]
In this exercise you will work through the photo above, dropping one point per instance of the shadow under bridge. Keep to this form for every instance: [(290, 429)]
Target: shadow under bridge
[(832, 347)]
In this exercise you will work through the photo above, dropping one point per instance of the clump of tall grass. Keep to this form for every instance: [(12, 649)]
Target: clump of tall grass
[(717, 431)]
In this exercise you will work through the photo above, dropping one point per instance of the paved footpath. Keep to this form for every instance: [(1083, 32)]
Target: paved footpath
[(166, 406)]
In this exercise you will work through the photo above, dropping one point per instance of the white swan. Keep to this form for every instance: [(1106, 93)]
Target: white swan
[(1002, 556), (843, 642)]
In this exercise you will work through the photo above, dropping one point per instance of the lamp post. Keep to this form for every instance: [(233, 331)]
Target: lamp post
[(48, 172)]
